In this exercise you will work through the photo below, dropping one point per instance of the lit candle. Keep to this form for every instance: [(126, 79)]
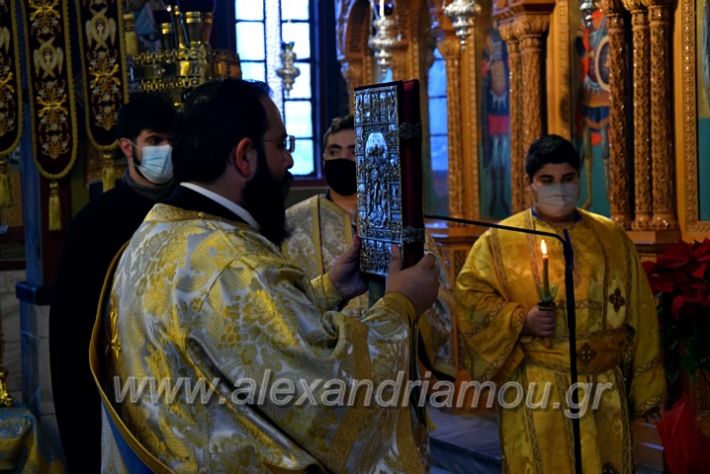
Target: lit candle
[(382, 8), (545, 272)]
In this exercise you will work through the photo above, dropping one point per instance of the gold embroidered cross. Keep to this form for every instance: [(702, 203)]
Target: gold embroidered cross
[(586, 354), (617, 300)]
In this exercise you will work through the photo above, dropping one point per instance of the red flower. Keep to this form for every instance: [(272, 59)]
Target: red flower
[(675, 256), (662, 282), (702, 250)]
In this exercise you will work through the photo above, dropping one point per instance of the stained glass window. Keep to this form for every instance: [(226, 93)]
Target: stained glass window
[(438, 201)]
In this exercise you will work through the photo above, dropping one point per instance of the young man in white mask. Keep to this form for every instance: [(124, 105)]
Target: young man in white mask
[(509, 339), (145, 126)]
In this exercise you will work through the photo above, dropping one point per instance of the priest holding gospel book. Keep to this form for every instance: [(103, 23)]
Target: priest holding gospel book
[(512, 326), (322, 228), (203, 296)]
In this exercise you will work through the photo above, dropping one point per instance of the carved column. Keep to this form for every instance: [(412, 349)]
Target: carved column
[(664, 214), (619, 185), (450, 50), (530, 30), (642, 111), (471, 127), (517, 153)]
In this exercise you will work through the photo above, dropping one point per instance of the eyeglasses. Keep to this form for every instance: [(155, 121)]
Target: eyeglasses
[(287, 143)]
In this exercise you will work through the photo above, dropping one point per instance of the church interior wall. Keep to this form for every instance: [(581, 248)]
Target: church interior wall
[(29, 251)]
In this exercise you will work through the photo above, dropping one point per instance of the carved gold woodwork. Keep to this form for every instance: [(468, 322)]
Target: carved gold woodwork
[(449, 48), (664, 216), (559, 71), (643, 180), (530, 30), (471, 127), (686, 97), (619, 185), (517, 153), (353, 31), (523, 26), (454, 244), (353, 18), (463, 118)]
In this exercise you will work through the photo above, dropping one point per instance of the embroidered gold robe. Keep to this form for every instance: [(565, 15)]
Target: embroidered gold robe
[(320, 232), (197, 297), (617, 342)]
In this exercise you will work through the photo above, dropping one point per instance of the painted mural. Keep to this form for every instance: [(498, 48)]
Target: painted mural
[(495, 126), (703, 86), (592, 111)]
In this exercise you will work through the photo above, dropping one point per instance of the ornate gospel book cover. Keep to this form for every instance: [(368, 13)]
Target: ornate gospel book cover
[(389, 174)]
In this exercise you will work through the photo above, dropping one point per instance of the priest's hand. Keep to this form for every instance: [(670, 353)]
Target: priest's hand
[(345, 272), (419, 283), (540, 322)]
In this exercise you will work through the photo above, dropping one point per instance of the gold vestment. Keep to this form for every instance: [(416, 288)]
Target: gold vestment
[(200, 298), (617, 342), (320, 232)]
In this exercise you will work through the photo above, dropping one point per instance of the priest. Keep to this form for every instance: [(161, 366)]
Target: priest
[(202, 296)]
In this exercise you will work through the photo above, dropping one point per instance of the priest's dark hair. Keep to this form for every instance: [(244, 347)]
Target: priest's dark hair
[(550, 149), (216, 116)]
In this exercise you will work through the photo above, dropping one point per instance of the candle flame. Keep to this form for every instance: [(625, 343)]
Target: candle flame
[(543, 247)]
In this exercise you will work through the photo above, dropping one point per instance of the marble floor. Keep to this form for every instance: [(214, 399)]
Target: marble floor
[(468, 443)]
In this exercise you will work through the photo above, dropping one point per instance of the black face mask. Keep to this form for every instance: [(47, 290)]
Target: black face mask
[(341, 176), (264, 197)]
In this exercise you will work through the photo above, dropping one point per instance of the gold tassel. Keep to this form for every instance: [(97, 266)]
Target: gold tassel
[(55, 207), (5, 398), (108, 176), (5, 194)]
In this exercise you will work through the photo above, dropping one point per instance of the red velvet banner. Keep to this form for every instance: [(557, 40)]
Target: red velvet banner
[(51, 86), (102, 67)]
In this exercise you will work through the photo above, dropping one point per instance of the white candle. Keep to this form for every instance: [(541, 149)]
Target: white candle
[(382, 8), (545, 271)]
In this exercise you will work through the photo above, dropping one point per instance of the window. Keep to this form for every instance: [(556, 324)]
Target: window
[(438, 134), (261, 27)]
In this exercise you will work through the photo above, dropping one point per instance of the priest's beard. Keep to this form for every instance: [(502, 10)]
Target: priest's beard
[(265, 199)]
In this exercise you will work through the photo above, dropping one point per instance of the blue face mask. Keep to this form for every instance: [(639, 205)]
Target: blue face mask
[(157, 165)]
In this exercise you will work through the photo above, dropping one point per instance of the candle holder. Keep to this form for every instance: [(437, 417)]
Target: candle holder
[(462, 14), (385, 39), (288, 72)]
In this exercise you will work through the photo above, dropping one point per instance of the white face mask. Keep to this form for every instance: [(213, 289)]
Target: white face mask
[(557, 200), (157, 165)]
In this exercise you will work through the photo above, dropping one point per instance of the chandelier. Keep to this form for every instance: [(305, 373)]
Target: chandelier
[(185, 58), (462, 14), (385, 38)]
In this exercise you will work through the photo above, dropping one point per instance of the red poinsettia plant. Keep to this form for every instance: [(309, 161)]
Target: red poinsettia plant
[(680, 279)]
